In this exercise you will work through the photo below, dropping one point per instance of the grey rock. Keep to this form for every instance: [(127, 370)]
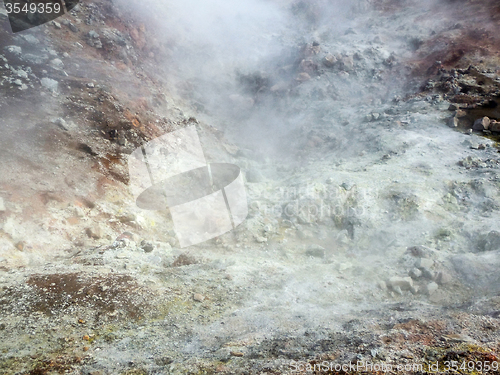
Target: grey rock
[(13, 50), (147, 246), (316, 251), (490, 242), (415, 273), (56, 24), (35, 59), (424, 263), (61, 123), (453, 122), (431, 288), (30, 39), (57, 64), (382, 285), (427, 273), (443, 278), (93, 35), (49, 84), (405, 283)]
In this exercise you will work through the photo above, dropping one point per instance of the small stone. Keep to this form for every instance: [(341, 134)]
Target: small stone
[(127, 218), (20, 245), (2, 205), (405, 283), (415, 273), (316, 251), (414, 289), (302, 77), (57, 25), (453, 107), (494, 126), (424, 263), (86, 337), (61, 123), (57, 64), (14, 50), (453, 123), (431, 288), (18, 82), (147, 246), (198, 297), (375, 116), (49, 84), (94, 232), (90, 85), (92, 34), (345, 266), (481, 124), (260, 239), (427, 273), (329, 60), (237, 354), (397, 290), (443, 277), (81, 321)]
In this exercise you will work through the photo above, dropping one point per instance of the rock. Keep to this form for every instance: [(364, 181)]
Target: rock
[(57, 25), (2, 205), (237, 354), (415, 273), (147, 246), (260, 239), (443, 277), (316, 251), (397, 290), (329, 60), (414, 289), (127, 218), (453, 107), (95, 232), (302, 77), (494, 126), (198, 297), (431, 288), (49, 84), (453, 123), (424, 263), (61, 123), (14, 50), (57, 64), (460, 113), (481, 124), (344, 266), (427, 273), (491, 241), (90, 85), (405, 283)]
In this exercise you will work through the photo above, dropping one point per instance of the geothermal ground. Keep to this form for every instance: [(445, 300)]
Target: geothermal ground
[(366, 133)]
